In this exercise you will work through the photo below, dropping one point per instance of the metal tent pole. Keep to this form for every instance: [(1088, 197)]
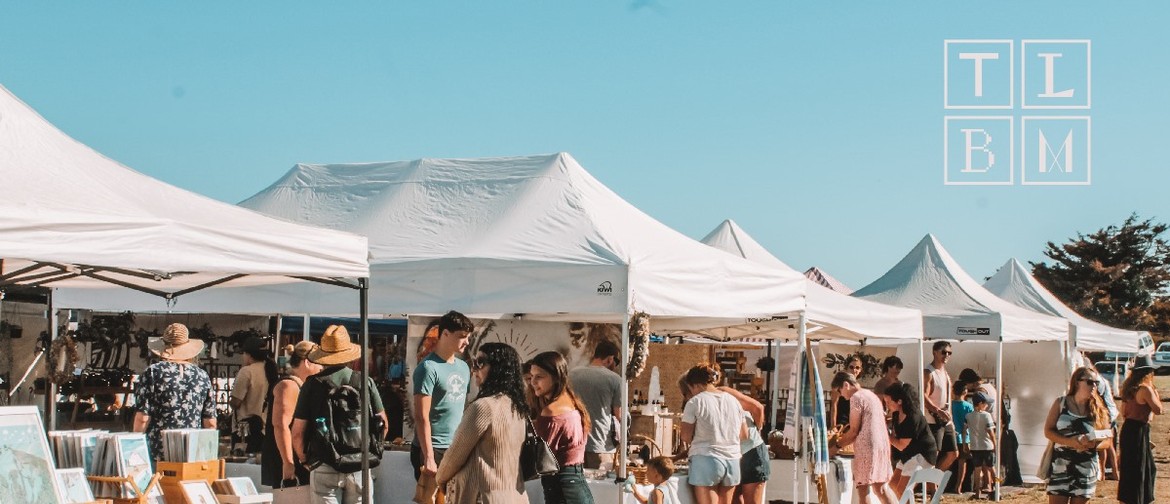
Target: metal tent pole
[(998, 412), (50, 387), (801, 336), (306, 334), (364, 299), (921, 385), (625, 427)]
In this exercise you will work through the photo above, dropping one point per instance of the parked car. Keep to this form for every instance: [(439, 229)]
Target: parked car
[(1162, 358), (1113, 372)]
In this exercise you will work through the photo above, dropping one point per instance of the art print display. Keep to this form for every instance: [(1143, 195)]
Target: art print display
[(27, 470), (198, 492), (134, 459), (74, 486)]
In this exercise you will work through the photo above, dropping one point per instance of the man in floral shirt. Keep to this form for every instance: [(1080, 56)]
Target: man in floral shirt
[(173, 393)]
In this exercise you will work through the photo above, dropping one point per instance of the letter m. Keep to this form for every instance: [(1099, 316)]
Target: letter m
[(1045, 153)]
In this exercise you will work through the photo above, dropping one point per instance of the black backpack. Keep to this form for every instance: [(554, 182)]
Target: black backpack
[(340, 447)]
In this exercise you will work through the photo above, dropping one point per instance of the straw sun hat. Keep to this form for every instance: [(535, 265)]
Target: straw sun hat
[(335, 348), (175, 344)]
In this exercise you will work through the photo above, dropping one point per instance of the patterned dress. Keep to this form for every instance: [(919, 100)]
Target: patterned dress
[(871, 459), (175, 396), (1074, 474)]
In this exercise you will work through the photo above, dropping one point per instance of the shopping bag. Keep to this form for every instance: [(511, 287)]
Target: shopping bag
[(290, 495)]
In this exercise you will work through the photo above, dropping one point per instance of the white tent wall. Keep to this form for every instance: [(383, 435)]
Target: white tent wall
[(1028, 378)]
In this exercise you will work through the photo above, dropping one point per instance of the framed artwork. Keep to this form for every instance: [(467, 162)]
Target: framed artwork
[(27, 472), (198, 492), (75, 488), (134, 459)]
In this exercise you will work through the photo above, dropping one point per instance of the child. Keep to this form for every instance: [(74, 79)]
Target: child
[(658, 473), (959, 409), (981, 438)]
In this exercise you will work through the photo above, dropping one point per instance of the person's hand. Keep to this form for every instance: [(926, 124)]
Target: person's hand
[(288, 471), (429, 467)]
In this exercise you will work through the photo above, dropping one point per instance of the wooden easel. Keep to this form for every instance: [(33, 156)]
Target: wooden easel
[(129, 480)]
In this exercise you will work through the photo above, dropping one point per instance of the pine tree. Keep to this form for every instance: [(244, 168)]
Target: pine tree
[(1117, 275)]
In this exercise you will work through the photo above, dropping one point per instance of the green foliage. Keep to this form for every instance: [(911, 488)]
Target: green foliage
[(1117, 275)]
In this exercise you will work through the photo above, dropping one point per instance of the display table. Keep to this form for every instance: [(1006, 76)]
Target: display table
[(394, 482), (839, 482)]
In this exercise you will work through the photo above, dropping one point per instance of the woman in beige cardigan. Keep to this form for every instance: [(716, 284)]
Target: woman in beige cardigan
[(482, 464)]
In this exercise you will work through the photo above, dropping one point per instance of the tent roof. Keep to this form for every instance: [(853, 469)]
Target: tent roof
[(954, 305), (840, 316), (536, 235), (1014, 283), (70, 212), (827, 281)]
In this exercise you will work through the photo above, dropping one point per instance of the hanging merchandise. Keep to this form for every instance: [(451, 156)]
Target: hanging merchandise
[(639, 344)]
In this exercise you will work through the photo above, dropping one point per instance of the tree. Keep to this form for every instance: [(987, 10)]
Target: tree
[(1117, 275)]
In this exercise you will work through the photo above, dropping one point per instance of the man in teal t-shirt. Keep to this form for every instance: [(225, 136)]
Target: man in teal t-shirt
[(441, 382)]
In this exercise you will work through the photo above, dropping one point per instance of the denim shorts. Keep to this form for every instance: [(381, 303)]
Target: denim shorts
[(567, 486), (754, 466), (708, 471)]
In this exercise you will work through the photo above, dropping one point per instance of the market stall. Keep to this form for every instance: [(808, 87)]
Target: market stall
[(1022, 349), (73, 220)]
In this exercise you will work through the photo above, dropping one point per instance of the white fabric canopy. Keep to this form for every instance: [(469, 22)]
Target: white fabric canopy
[(837, 315), (1015, 284), (79, 214), (953, 304), (536, 235)]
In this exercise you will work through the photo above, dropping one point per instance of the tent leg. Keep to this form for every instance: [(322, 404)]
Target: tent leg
[(998, 413), (623, 432), (801, 335), (918, 374), (306, 334), (364, 300), (50, 387)]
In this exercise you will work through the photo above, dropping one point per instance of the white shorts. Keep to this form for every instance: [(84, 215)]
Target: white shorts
[(913, 465)]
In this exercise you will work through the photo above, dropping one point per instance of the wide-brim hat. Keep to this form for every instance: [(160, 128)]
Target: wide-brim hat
[(1143, 363), (335, 348), (176, 344)]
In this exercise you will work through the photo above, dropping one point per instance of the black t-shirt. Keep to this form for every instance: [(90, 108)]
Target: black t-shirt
[(916, 429), (311, 402)]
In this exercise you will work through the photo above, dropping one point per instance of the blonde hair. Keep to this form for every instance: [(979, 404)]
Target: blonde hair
[(1097, 411), (299, 353)]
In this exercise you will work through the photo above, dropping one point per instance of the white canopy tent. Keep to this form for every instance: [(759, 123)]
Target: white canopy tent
[(71, 217), (955, 307), (834, 315), (1015, 284), (536, 235), (74, 219)]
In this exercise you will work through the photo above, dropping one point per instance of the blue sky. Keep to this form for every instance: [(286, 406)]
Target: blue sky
[(817, 126)]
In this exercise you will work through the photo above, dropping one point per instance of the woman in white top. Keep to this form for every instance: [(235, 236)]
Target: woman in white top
[(713, 425)]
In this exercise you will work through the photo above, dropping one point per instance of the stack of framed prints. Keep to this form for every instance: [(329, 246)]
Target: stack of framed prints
[(190, 445), (74, 486), (27, 470), (237, 491), (124, 455)]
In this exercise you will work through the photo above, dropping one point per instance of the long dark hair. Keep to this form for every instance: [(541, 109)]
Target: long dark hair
[(905, 394), (504, 376), (260, 353), (557, 367)]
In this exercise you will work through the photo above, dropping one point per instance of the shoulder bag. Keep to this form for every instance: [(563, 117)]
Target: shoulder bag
[(536, 458)]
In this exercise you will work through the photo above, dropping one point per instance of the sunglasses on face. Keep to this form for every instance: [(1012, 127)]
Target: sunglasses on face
[(1091, 382), (946, 352)]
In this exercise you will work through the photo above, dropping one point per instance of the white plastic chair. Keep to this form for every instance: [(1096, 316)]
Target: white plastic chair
[(924, 477)]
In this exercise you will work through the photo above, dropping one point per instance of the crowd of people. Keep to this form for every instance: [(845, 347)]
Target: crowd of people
[(893, 438), (467, 449)]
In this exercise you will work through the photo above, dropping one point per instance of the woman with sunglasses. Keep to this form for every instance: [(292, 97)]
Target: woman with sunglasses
[(480, 464), (1071, 420), (563, 423), (839, 406)]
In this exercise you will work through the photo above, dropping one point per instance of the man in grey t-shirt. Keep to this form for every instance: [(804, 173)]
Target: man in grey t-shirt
[(600, 388)]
